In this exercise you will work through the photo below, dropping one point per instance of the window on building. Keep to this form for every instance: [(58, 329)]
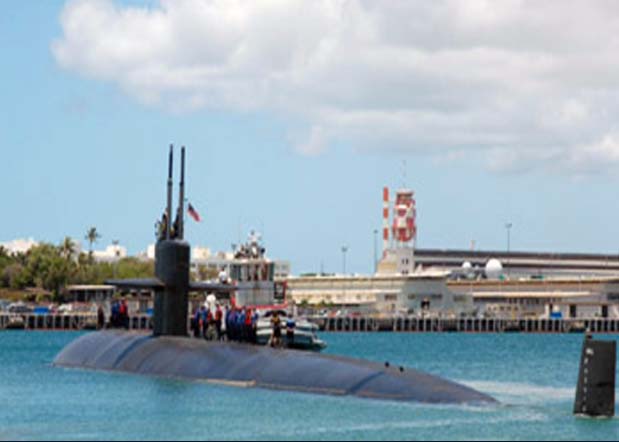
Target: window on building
[(425, 304), (573, 311)]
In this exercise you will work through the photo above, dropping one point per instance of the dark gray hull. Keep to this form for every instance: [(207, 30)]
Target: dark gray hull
[(261, 367)]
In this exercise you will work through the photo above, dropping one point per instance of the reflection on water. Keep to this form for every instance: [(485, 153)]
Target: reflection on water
[(532, 375)]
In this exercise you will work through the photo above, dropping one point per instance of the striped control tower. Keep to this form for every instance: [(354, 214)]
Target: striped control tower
[(385, 220), (404, 214), (401, 248)]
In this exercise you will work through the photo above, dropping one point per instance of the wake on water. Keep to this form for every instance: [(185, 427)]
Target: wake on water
[(517, 393)]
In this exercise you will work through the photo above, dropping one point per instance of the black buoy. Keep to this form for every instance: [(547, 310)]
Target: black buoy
[(595, 392)]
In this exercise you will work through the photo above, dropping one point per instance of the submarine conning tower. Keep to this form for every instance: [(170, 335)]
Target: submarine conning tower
[(172, 254), (172, 269)]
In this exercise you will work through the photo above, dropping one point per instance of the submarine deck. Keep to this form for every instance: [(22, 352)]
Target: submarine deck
[(261, 367)]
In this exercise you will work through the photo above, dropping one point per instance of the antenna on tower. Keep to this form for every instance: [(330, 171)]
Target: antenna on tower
[(169, 202), (180, 233), (403, 173)]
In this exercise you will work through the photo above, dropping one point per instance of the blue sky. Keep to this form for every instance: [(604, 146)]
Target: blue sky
[(84, 143)]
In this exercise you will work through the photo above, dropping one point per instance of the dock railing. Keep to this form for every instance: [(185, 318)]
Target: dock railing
[(466, 325), (400, 324), (73, 321)]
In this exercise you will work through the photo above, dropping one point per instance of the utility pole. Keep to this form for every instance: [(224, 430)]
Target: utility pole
[(344, 250), (116, 255), (508, 227), (375, 251)]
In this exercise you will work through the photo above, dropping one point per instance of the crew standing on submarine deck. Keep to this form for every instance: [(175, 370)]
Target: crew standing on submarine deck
[(276, 337), (290, 326)]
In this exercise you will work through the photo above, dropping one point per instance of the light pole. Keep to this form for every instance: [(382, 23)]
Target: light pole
[(344, 250), (116, 254), (375, 248), (508, 227)]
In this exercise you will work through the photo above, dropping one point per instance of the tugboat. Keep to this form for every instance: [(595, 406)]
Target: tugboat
[(256, 288), (254, 277)]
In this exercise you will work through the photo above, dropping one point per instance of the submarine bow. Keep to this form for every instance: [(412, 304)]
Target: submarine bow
[(261, 367)]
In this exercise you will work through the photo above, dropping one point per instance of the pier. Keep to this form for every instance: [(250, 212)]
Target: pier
[(52, 322), (465, 325), (68, 322)]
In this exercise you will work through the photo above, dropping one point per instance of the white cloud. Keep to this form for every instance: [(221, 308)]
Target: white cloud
[(520, 83), (315, 143)]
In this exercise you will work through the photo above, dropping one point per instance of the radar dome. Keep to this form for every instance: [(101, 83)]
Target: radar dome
[(493, 269), (466, 265)]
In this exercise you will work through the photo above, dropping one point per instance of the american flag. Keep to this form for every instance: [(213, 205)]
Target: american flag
[(193, 213)]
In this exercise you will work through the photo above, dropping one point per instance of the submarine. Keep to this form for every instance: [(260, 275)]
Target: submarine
[(170, 352)]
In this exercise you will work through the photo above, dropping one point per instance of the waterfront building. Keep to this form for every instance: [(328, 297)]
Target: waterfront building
[(467, 282), (99, 294), (398, 287), (420, 293), (533, 265), (583, 297)]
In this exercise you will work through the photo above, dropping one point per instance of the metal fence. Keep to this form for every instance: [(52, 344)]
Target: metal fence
[(467, 325), (82, 321)]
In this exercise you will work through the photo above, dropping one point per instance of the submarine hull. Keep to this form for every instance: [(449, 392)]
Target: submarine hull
[(261, 367)]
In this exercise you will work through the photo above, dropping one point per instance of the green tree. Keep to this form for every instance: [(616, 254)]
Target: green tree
[(14, 276), (52, 268), (48, 268), (67, 248), (92, 236), (5, 262), (4, 255)]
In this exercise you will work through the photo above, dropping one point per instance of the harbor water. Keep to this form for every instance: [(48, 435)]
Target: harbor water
[(533, 375)]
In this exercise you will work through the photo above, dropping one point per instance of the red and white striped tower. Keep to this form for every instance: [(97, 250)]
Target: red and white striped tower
[(404, 227), (404, 231), (385, 220)]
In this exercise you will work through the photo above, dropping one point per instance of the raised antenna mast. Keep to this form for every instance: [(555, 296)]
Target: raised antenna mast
[(169, 207), (181, 196)]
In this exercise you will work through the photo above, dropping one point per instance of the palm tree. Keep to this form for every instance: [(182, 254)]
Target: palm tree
[(67, 248), (92, 236)]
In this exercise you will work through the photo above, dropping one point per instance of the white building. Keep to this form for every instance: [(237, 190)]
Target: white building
[(525, 298), (419, 293), (20, 245), (111, 253)]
